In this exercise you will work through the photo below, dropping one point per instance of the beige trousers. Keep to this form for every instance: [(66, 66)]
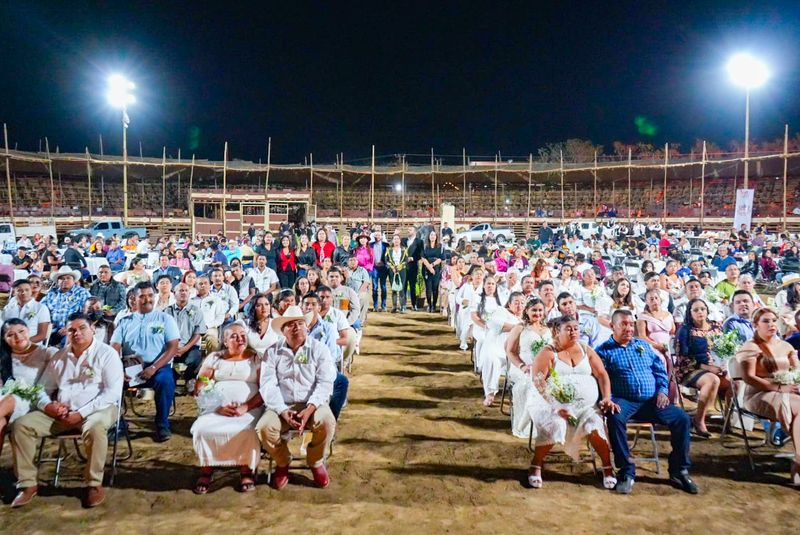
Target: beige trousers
[(28, 430), (322, 425)]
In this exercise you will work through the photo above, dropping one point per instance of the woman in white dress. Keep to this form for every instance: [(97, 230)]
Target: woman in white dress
[(227, 436), (482, 307), (519, 348), (568, 425), (469, 290), (493, 357), (20, 360), (566, 283), (259, 318)]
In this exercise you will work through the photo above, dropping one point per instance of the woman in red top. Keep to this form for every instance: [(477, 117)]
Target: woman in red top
[(286, 264), (323, 247)]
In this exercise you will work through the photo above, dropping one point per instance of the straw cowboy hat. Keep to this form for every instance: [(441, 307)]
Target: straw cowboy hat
[(63, 271), (790, 279), (293, 313)]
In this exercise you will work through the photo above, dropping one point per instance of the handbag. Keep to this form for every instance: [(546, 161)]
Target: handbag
[(397, 284)]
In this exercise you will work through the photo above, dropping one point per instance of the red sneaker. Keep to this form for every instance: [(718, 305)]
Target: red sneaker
[(281, 477), (320, 474)]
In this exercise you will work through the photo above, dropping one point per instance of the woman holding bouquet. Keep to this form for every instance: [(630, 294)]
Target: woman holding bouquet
[(226, 435), (22, 362), (568, 362), (694, 366), (763, 361), (524, 343), (494, 354)]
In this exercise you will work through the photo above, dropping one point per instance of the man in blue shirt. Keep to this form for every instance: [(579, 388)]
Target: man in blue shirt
[(61, 302), (740, 321), (152, 336), (590, 328), (173, 272), (639, 385), (722, 260)]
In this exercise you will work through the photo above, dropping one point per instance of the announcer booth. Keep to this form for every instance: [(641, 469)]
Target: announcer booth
[(245, 208)]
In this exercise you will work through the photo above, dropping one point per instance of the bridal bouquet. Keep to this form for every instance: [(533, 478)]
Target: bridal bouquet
[(537, 346), (723, 347), (787, 377), (22, 389), (561, 394), (209, 398)]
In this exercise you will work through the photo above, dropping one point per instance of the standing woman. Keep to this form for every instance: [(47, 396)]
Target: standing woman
[(322, 247), (22, 360), (397, 260), (286, 263), (694, 367), (520, 345), (482, 309), (456, 280), (306, 257), (432, 259), (760, 359), (503, 321)]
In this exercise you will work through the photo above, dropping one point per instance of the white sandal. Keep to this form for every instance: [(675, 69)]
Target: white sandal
[(535, 481), (609, 482)]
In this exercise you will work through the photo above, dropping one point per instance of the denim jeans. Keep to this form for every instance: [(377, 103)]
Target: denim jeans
[(339, 396), (163, 383)]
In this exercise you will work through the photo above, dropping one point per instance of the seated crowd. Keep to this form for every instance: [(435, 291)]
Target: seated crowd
[(262, 332)]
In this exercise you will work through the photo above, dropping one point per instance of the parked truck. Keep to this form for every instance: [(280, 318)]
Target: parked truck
[(479, 232), (9, 234), (107, 228)]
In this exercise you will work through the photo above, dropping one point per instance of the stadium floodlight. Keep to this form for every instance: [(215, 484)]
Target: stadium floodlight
[(748, 72), (119, 96), (398, 187)]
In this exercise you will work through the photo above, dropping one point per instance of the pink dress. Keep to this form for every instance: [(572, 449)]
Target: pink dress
[(659, 332)]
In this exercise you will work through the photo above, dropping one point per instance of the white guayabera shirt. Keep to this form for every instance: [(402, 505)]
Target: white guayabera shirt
[(303, 377)]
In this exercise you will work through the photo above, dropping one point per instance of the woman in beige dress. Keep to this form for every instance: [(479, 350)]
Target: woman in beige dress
[(760, 359)]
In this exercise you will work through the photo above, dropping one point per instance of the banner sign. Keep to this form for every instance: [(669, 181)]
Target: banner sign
[(744, 208)]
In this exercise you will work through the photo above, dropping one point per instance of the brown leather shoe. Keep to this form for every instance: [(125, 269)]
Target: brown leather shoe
[(94, 496), (25, 495)]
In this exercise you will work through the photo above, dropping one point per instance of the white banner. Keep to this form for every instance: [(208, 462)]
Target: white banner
[(744, 208)]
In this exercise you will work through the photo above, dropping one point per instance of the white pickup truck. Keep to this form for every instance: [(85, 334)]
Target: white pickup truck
[(479, 232)]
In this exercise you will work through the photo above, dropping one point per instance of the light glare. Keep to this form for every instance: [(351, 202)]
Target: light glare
[(119, 91), (747, 71)]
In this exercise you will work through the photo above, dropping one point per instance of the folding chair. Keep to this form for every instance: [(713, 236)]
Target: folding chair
[(591, 458), (507, 384), (741, 412), (135, 392), (300, 458), (639, 426)]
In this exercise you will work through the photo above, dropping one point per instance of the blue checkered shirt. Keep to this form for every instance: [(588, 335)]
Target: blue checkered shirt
[(62, 304), (636, 372)]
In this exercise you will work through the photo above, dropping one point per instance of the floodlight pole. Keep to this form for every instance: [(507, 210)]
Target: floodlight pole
[(124, 167), (746, 136)]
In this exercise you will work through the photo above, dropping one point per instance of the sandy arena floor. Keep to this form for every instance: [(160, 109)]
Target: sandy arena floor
[(415, 452)]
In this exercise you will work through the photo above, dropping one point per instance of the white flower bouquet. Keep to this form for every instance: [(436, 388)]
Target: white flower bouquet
[(209, 398), (21, 389), (559, 393), (537, 346), (723, 347), (787, 377)]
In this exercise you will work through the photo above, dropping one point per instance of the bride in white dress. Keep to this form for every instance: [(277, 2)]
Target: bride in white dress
[(482, 307), (519, 347), (470, 289), (493, 351), (226, 436), (22, 361), (580, 366)]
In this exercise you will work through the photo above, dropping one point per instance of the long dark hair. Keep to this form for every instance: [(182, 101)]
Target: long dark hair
[(6, 371), (252, 321), (688, 320), (482, 303), (620, 301), (529, 305), (792, 296)]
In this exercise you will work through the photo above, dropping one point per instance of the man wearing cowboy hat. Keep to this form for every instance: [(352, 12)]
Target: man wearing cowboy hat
[(296, 384), (68, 298)]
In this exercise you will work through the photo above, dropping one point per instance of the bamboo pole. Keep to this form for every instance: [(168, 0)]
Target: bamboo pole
[(703, 186), (785, 170), (102, 176), (464, 177), (561, 171), (191, 200), (594, 174), (530, 179), (180, 170), (311, 182), (630, 163), (372, 189), (666, 168), (496, 163), (163, 187), (433, 188), (266, 184), (8, 177), (225, 191), (341, 191), (52, 184), (403, 187), (89, 177)]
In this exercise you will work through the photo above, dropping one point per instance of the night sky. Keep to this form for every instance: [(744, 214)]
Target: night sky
[(328, 78)]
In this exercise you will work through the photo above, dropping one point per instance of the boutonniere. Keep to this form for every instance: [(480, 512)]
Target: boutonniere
[(30, 315), (87, 372), (70, 297), (191, 312), (302, 356), (210, 303), (640, 350), (157, 329)]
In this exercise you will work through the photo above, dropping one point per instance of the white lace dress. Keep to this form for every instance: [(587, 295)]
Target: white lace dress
[(522, 382), (27, 368), (225, 440), (550, 428), (493, 350), (478, 332)]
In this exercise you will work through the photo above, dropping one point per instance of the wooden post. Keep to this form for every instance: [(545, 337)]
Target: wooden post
[(630, 163), (666, 167), (561, 170), (191, 201), (52, 184), (89, 176), (403, 187), (8, 176), (785, 170), (180, 170), (266, 184), (311, 180), (372, 190), (464, 177), (496, 163), (163, 187), (225, 191), (341, 192), (433, 188), (594, 174), (102, 176), (530, 179), (703, 186)]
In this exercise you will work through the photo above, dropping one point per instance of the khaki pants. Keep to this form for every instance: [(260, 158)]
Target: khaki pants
[(350, 348), (210, 340), (31, 428), (364, 300), (322, 425)]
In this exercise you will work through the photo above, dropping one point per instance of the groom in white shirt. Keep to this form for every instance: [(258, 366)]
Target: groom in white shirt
[(82, 387)]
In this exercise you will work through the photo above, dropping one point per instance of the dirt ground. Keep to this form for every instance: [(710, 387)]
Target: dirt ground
[(415, 452)]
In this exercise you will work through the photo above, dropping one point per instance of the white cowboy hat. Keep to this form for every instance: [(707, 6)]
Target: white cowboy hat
[(790, 279), (65, 270), (293, 313)]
